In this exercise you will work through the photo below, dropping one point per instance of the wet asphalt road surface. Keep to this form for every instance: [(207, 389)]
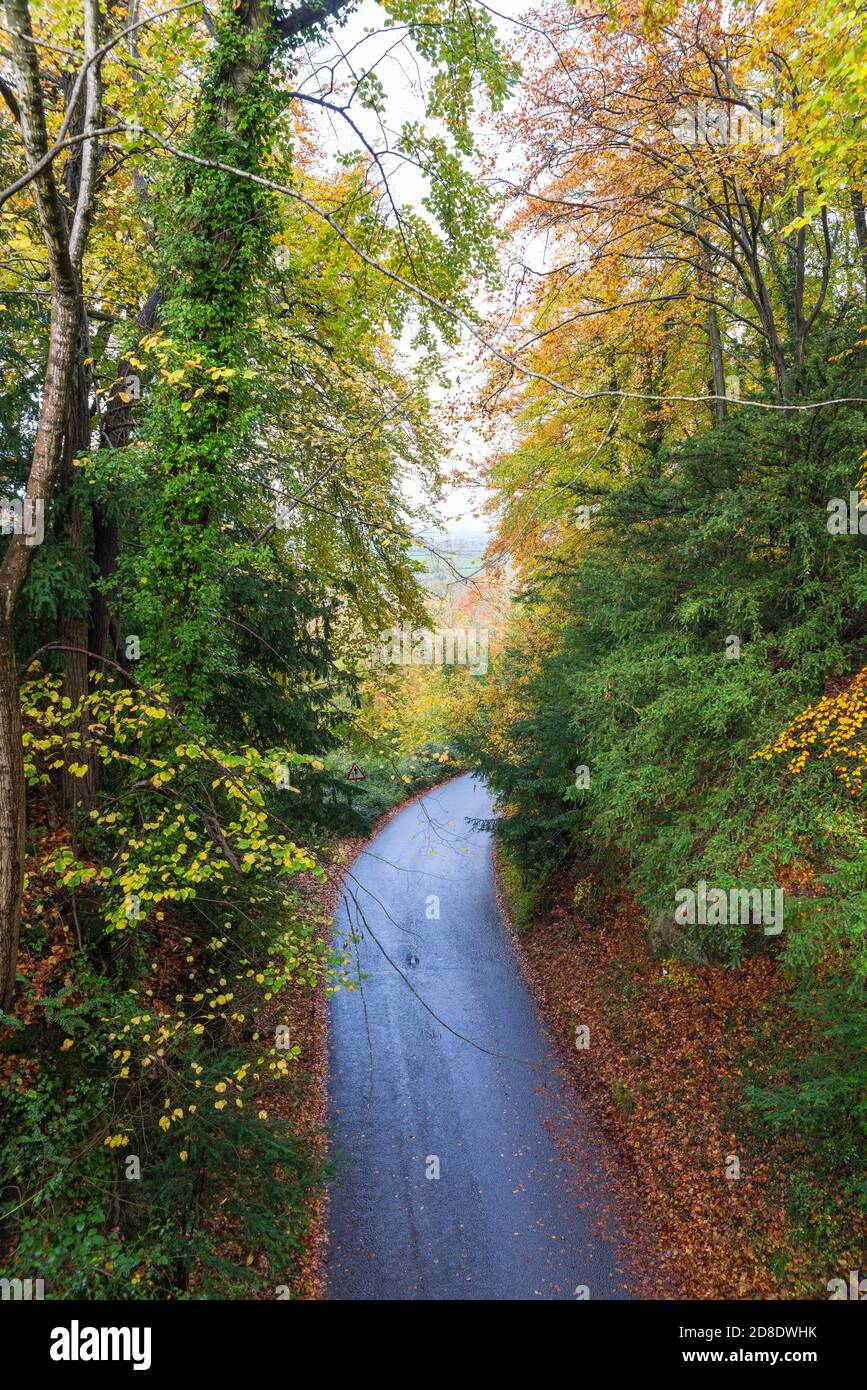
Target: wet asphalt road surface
[(409, 1099)]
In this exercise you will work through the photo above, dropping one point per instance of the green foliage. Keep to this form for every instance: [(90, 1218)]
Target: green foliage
[(355, 807), (281, 680), (524, 898), (74, 1127), (823, 1095), (726, 538), (149, 1037)]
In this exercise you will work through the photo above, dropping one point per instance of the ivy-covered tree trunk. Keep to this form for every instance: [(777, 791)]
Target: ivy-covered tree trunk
[(214, 236), (215, 242)]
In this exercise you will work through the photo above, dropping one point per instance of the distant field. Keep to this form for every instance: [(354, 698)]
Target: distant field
[(448, 561)]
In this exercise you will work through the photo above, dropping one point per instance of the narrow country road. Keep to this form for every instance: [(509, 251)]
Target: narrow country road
[(450, 1184)]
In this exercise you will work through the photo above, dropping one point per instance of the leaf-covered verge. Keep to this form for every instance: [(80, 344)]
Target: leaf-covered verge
[(674, 1056)]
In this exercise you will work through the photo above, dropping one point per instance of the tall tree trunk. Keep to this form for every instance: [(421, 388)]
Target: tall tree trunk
[(11, 816), (45, 464), (860, 215), (73, 617), (104, 629), (716, 358)]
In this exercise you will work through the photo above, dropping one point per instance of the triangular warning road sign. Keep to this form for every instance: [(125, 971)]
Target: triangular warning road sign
[(355, 774)]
